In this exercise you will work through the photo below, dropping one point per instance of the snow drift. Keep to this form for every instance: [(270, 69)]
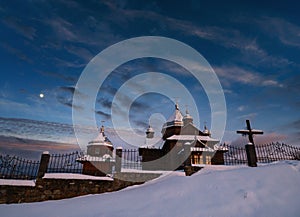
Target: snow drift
[(268, 190)]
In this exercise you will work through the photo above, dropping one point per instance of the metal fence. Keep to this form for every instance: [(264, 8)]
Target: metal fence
[(235, 155), (131, 159), (265, 153), (13, 167), (65, 163), (276, 151)]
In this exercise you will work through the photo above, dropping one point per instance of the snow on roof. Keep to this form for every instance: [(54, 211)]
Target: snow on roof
[(74, 176), (104, 158), (101, 140), (220, 148), (149, 147), (16, 182), (207, 149), (192, 138), (175, 119), (100, 143)]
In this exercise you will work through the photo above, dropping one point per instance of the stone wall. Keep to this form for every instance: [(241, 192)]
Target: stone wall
[(54, 189)]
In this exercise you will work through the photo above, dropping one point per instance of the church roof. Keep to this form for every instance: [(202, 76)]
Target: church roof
[(149, 130), (175, 119), (192, 138), (101, 139), (187, 115)]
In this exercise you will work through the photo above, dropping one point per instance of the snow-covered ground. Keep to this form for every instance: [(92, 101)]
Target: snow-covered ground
[(268, 190)]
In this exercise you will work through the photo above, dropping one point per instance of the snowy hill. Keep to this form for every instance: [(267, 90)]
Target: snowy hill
[(268, 190)]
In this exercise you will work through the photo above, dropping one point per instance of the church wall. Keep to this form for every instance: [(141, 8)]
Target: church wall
[(97, 168), (218, 158), (170, 131), (99, 150)]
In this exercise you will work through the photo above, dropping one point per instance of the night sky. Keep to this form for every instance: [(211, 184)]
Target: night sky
[(253, 47)]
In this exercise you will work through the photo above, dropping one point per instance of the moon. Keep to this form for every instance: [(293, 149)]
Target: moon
[(41, 95)]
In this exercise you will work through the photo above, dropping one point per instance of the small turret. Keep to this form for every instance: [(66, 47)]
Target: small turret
[(206, 131), (187, 118), (149, 132)]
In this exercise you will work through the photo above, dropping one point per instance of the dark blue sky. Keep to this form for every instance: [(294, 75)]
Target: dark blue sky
[(253, 46)]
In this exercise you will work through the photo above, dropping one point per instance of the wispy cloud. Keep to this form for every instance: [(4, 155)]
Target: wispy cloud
[(247, 116), (64, 95), (235, 74), (104, 102), (62, 28), (80, 52), (27, 31), (78, 63), (16, 52), (287, 32), (103, 114), (229, 37), (62, 76), (241, 108)]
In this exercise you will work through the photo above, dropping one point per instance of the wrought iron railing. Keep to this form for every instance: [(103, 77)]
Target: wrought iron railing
[(265, 153), (131, 159), (235, 155), (13, 167), (276, 151), (65, 163)]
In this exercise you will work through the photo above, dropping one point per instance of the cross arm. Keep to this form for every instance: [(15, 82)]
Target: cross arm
[(242, 131), (257, 131)]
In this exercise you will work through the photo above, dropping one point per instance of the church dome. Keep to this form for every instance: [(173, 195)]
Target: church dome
[(206, 131), (187, 118), (149, 132), (101, 139), (175, 119)]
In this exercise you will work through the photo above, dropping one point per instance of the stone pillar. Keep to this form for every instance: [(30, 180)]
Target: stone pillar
[(218, 158), (187, 154), (43, 164), (118, 165), (251, 155)]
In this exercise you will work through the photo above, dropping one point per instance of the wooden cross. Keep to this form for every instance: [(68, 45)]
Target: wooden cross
[(250, 132)]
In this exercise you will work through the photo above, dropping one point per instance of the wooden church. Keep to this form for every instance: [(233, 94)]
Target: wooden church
[(179, 133)]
